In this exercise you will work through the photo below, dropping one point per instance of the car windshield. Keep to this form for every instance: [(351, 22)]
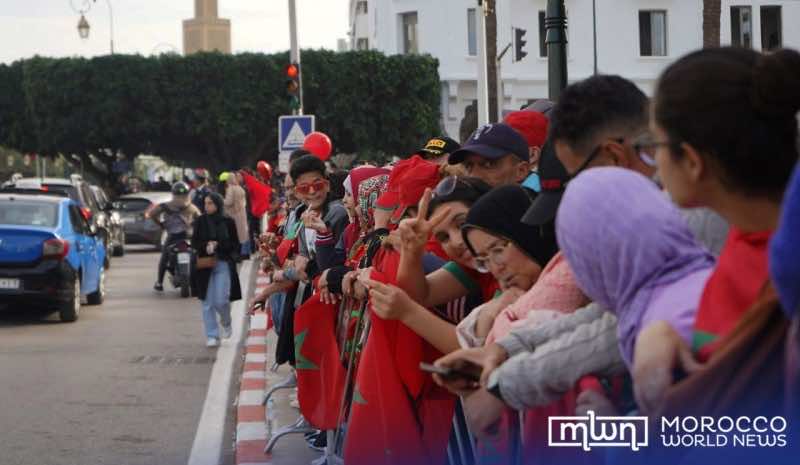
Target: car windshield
[(133, 205), (28, 213)]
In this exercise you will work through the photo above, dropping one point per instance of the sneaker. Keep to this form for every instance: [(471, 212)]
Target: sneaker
[(212, 342), (226, 332), (158, 287)]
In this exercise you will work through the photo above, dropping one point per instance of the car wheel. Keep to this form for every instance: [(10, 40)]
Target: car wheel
[(97, 297), (119, 251), (69, 311)]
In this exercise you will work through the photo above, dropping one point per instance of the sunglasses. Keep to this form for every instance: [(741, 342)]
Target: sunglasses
[(448, 185), (309, 187)]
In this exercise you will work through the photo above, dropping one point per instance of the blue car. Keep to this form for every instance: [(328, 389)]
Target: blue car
[(50, 255)]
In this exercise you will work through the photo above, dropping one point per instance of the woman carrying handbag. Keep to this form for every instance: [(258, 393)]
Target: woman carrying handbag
[(216, 280)]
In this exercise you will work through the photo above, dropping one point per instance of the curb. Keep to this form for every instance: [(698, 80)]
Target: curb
[(251, 425)]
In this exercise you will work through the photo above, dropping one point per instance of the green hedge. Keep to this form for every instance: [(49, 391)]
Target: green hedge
[(215, 110)]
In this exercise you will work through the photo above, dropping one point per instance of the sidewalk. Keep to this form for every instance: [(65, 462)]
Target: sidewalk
[(252, 428)]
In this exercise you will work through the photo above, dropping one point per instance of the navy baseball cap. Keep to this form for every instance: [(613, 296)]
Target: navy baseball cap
[(493, 141)]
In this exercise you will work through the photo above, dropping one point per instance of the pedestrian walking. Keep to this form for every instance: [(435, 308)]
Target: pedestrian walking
[(216, 281), (236, 209)]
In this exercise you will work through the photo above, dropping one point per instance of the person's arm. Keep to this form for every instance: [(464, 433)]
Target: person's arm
[(528, 338), (328, 255), (532, 379), (392, 303)]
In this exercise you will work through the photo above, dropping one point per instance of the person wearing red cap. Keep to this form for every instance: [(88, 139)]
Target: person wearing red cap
[(532, 125)]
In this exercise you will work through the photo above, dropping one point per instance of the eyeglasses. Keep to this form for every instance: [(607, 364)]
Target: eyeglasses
[(448, 185), (308, 187), (496, 254), (592, 157), (646, 145)]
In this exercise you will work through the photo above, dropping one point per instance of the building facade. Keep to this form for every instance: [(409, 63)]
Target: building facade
[(206, 31), (635, 38)]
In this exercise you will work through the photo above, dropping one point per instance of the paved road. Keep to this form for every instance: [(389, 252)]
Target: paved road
[(124, 385)]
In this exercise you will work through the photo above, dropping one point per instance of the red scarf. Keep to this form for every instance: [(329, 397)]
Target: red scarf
[(732, 288)]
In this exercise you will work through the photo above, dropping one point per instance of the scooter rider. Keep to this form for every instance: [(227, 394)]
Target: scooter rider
[(178, 216)]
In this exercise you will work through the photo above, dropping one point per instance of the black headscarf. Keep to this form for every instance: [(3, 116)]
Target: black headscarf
[(215, 223), (499, 213)]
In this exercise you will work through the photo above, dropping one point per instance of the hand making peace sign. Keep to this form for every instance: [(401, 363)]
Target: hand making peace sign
[(415, 232)]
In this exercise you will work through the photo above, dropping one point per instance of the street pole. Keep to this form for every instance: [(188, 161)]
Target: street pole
[(556, 24), (500, 96), (294, 51), (111, 23), (483, 75), (594, 33)]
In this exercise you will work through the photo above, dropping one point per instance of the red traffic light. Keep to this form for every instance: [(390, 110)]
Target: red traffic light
[(292, 71)]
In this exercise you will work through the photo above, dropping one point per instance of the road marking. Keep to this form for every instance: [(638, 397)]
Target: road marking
[(208, 441), (251, 431)]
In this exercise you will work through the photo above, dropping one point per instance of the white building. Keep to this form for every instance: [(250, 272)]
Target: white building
[(635, 38)]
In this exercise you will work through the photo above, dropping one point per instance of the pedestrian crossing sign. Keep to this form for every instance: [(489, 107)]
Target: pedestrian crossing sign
[(292, 131)]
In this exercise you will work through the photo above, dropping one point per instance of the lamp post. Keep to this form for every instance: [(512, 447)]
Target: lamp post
[(556, 40), (83, 24)]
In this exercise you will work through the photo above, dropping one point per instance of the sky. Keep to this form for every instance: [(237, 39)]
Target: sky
[(49, 27)]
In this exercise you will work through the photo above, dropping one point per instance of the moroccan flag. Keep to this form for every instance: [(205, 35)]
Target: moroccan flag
[(260, 195), (399, 416), (320, 373)]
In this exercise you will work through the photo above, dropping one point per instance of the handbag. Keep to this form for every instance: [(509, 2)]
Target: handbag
[(204, 263)]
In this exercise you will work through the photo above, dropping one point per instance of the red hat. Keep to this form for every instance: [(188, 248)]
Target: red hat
[(531, 124), (408, 181)]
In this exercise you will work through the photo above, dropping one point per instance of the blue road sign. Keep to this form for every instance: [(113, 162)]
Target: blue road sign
[(292, 131)]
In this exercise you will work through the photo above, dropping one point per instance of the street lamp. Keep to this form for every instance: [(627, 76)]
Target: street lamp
[(83, 28), (556, 40), (83, 25)]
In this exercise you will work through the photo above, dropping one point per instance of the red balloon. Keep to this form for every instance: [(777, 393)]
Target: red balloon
[(264, 170), (319, 144)]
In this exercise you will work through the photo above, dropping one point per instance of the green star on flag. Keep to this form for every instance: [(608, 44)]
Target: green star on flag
[(302, 363)]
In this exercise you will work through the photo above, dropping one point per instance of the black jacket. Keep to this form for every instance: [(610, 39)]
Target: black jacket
[(227, 251)]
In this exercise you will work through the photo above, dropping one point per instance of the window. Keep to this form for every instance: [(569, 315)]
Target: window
[(409, 30), (361, 7), (472, 32), (362, 44), (653, 33), (742, 26), (771, 31), (29, 213)]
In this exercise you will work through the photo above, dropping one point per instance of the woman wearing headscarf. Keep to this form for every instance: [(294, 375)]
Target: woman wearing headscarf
[(215, 236)]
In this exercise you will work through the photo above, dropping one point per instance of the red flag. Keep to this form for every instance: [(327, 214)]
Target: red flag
[(399, 416), (320, 373), (260, 195)]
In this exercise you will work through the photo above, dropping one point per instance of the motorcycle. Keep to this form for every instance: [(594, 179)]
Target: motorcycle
[(179, 266)]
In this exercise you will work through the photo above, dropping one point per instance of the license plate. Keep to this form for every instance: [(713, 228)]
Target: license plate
[(9, 284), (184, 258)]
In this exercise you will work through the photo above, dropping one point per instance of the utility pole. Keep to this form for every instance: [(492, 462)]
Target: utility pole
[(594, 33), (493, 82), (483, 78), (294, 50), (556, 25), (500, 96)]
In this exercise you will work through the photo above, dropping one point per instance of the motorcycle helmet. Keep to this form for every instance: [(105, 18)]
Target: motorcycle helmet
[(180, 188)]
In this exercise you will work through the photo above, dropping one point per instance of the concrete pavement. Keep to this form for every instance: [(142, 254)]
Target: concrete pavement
[(125, 384)]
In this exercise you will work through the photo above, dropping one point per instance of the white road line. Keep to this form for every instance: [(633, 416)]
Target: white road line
[(255, 358), (251, 397), (256, 341), (208, 441), (251, 431), (254, 375)]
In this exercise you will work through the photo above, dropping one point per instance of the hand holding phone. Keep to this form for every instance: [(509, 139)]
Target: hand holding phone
[(462, 379)]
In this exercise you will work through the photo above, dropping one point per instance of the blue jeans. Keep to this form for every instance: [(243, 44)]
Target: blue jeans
[(276, 302), (218, 299)]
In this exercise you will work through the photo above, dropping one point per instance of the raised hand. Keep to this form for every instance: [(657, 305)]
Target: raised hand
[(415, 232)]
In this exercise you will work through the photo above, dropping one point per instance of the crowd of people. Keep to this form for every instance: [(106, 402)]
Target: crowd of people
[(607, 253)]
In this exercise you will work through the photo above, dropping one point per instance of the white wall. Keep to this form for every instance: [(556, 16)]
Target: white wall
[(442, 32)]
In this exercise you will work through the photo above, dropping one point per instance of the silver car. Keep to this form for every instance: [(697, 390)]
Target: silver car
[(138, 228)]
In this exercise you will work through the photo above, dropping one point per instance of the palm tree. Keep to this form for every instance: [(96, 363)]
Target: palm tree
[(712, 9)]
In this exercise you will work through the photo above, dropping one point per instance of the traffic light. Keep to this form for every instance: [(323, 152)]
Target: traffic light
[(293, 85), (519, 44)]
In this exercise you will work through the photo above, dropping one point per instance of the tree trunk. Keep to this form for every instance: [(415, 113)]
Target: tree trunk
[(491, 58), (712, 9)]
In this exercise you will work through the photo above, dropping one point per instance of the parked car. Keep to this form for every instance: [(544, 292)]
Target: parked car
[(78, 190), (110, 219), (50, 255), (138, 228)]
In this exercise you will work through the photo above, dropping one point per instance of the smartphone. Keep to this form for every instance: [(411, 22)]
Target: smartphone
[(449, 373)]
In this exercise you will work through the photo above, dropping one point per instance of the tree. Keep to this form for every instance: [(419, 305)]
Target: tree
[(712, 9), (213, 110)]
